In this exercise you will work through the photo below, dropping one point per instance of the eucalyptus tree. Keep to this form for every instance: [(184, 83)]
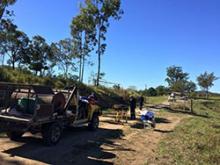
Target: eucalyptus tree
[(64, 55), (103, 11), (4, 4), (89, 29), (2, 40), (77, 39), (162, 90), (190, 87), (39, 54), (206, 81), (177, 79), (83, 33), (12, 41)]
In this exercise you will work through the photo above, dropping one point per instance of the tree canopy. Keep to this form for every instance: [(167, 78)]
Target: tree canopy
[(64, 55), (176, 78), (13, 42), (89, 29), (4, 4), (206, 81)]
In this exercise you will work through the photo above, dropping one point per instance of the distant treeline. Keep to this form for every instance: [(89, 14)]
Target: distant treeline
[(67, 56)]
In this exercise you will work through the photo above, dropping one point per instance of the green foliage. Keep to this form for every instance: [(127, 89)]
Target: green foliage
[(8, 74), (4, 4), (88, 29), (162, 90), (179, 81), (159, 91), (151, 92), (64, 55), (13, 42), (176, 78), (34, 54), (190, 87), (83, 33), (98, 14), (106, 96), (206, 81), (39, 54)]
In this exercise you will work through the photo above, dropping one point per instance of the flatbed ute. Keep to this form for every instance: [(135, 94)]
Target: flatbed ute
[(38, 109)]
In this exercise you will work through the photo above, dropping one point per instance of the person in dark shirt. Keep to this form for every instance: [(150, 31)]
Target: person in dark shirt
[(141, 102), (92, 99), (132, 102)]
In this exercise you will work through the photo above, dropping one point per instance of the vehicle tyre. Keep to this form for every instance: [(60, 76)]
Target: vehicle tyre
[(13, 135), (94, 123), (52, 134)]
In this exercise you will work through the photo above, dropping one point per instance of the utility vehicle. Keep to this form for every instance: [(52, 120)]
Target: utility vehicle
[(38, 109)]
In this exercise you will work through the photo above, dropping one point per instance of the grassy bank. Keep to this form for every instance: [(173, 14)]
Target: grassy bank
[(24, 76), (196, 140), (106, 96)]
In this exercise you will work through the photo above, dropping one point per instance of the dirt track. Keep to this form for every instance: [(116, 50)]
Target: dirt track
[(119, 144)]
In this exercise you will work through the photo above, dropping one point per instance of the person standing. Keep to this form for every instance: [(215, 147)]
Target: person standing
[(132, 102), (141, 102)]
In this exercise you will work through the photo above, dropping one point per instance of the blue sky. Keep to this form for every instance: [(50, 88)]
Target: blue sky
[(152, 35)]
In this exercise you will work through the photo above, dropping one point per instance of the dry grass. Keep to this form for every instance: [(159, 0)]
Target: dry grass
[(196, 140)]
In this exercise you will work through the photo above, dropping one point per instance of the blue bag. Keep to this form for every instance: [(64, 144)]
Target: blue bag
[(148, 116)]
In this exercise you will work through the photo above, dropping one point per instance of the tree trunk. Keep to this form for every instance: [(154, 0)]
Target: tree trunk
[(80, 68), (3, 59), (65, 69), (80, 62), (99, 69), (84, 53), (99, 58), (13, 59), (83, 67), (207, 94), (13, 64), (1, 12)]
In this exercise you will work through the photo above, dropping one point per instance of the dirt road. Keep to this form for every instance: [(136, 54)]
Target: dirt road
[(113, 143)]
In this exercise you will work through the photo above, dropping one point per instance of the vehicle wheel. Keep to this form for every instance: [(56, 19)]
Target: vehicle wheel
[(51, 134), (94, 123), (14, 135)]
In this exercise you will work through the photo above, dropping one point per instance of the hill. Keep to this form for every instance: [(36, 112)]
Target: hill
[(107, 96)]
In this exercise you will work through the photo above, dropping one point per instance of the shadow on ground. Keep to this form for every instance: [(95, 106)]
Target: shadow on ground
[(187, 112), (159, 120), (216, 126), (163, 131), (77, 146), (122, 122), (162, 120), (169, 109)]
